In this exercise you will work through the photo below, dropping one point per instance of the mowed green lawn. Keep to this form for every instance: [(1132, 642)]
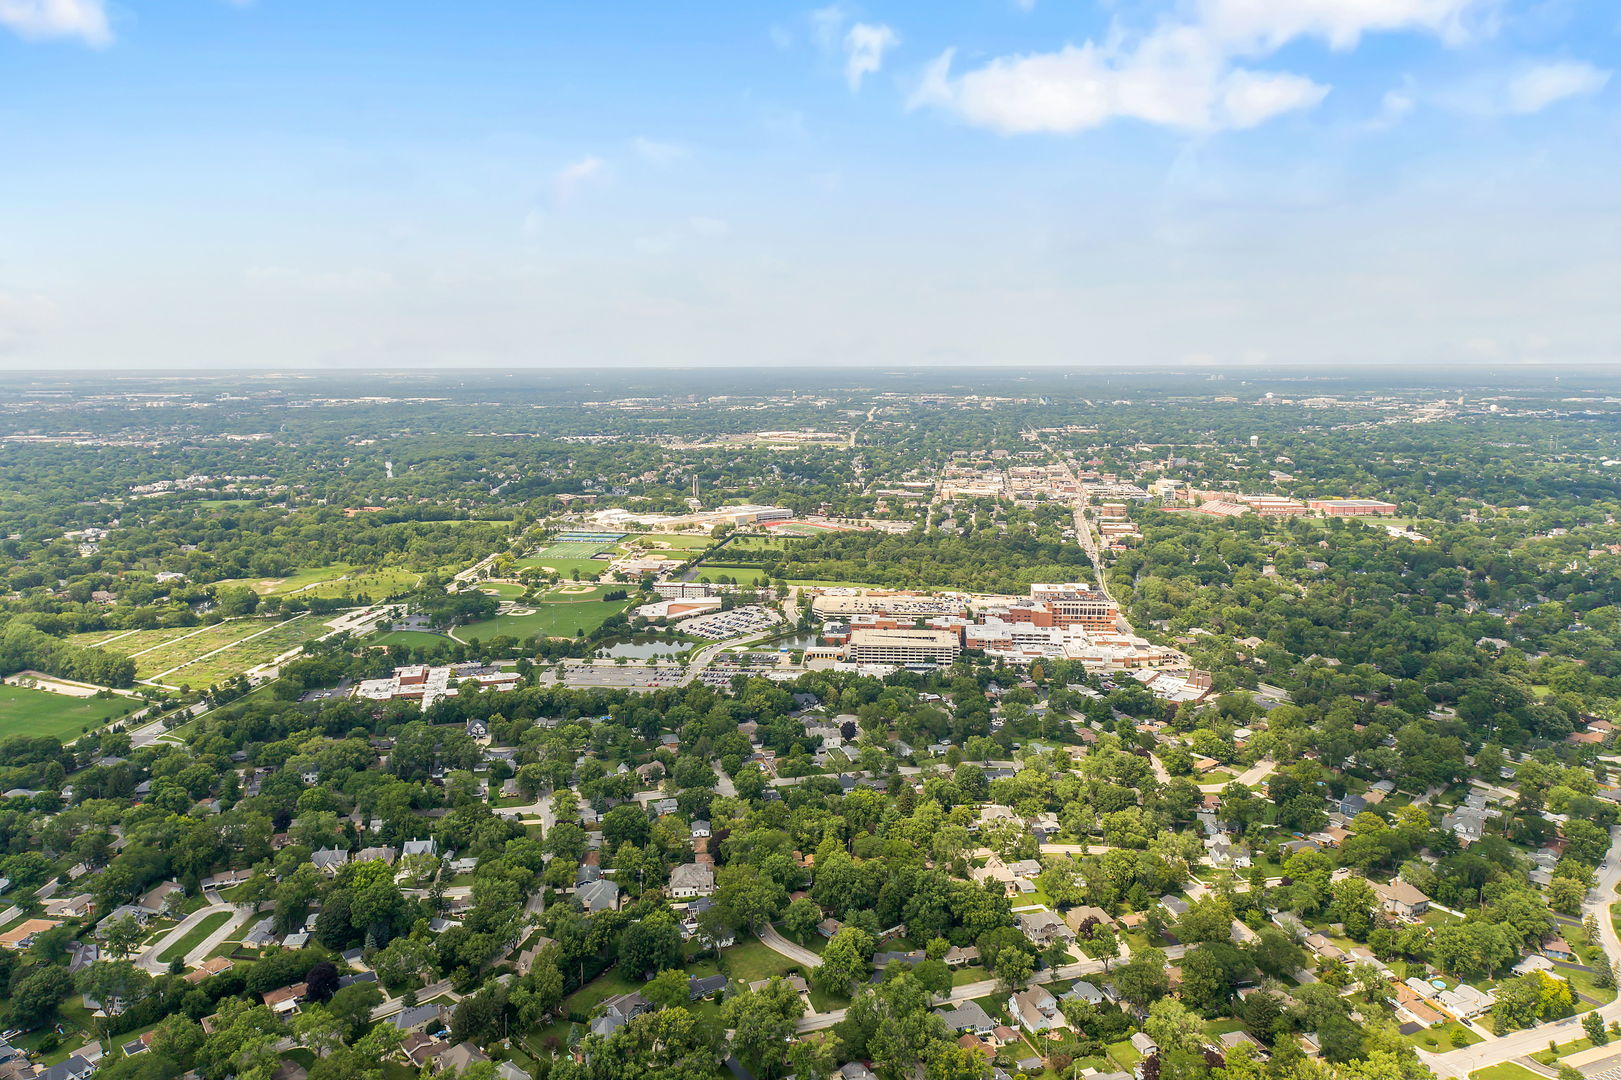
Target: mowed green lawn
[(40, 713), (194, 937), (560, 618), (589, 569), (1506, 1071), (742, 575)]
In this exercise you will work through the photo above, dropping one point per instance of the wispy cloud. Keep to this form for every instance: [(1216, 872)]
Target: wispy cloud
[(1536, 87), (864, 49), (861, 45), (1523, 89), (576, 175), (40, 20)]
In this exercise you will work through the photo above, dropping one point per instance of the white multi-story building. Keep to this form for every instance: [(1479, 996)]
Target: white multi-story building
[(903, 646)]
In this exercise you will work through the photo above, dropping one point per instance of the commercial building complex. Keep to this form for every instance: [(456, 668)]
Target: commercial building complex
[(1353, 507), (904, 646)]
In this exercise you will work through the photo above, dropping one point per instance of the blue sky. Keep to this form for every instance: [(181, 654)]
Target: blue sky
[(201, 183)]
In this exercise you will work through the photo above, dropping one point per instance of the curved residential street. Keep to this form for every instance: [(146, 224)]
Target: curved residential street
[(797, 953), (148, 959), (1495, 1051)]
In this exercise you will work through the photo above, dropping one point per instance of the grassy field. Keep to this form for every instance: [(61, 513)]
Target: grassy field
[(335, 581), (574, 549), (1438, 1040), (561, 617), (41, 713), (506, 590), (262, 649), (743, 575), (1575, 1046), (129, 642), (194, 937), (179, 650), (1506, 1071), (415, 639), (676, 541), (588, 569)]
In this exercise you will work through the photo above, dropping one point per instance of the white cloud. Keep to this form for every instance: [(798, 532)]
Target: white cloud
[(1184, 73), (1173, 79), (38, 20), (1249, 98), (576, 175), (1535, 88), (864, 48), (1268, 25), (657, 152)]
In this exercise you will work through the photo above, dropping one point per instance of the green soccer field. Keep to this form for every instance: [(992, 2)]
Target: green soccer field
[(41, 713)]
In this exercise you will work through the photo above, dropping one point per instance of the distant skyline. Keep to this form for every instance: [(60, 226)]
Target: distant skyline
[(206, 184)]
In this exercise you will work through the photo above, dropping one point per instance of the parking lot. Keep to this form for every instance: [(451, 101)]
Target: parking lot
[(720, 625), (576, 673)]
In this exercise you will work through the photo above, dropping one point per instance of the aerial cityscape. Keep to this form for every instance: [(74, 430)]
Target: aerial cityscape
[(865, 540), (1040, 723)]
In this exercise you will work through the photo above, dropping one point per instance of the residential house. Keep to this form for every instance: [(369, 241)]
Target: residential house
[(705, 987), (600, 895), (970, 1016), (76, 1067), (1079, 917), (882, 960), (617, 1011), (1400, 899), (689, 880), (418, 1018), (459, 1057), (1086, 991), (1465, 1002), (1043, 928), (156, 899), (1035, 1010), (284, 1000), (329, 860)]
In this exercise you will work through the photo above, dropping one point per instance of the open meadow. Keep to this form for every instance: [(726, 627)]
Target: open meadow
[(59, 716)]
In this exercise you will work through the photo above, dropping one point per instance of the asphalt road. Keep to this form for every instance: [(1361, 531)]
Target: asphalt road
[(1495, 1051)]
